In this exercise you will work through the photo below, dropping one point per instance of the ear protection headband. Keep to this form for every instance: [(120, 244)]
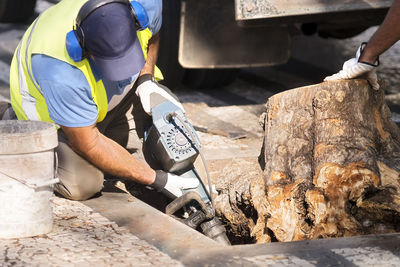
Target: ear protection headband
[(76, 45)]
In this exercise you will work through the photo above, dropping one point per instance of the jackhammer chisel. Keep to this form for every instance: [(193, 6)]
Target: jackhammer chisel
[(175, 145)]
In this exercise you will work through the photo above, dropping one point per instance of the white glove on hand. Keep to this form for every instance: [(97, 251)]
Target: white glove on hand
[(152, 93), (352, 68), (172, 185)]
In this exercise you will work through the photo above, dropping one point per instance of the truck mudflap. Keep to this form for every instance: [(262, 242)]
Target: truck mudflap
[(269, 9), (211, 38)]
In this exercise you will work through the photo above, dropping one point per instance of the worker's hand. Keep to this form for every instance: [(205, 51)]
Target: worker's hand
[(353, 68), (152, 93), (172, 185)]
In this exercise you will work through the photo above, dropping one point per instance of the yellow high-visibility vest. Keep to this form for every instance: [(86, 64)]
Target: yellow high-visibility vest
[(47, 36)]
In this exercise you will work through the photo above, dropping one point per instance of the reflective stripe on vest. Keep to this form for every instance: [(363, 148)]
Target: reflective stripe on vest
[(28, 102)]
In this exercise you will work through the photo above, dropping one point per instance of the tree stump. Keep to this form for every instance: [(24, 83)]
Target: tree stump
[(331, 168)]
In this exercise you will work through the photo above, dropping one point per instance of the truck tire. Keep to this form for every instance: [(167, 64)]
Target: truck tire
[(169, 41), (209, 78), (174, 73), (16, 10), (342, 33)]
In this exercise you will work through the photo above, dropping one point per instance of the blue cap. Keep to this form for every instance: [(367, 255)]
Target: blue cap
[(110, 37)]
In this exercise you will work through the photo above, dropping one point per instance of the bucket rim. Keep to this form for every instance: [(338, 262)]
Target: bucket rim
[(27, 136), (41, 126)]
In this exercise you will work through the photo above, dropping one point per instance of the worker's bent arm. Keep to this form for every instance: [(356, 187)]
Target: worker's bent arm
[(386, 35), (152, 53), (108, 155)]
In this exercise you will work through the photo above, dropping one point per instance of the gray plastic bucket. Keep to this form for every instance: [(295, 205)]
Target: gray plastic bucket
[(27, 175)]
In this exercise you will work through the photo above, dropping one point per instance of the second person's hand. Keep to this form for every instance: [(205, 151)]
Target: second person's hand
[(353, 68)]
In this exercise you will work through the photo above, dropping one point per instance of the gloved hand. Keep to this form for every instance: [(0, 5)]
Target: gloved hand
[(152, 93), (353, 68), (172, 185)]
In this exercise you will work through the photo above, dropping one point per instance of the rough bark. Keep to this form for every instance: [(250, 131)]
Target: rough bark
[(241, 199), (331, 167)]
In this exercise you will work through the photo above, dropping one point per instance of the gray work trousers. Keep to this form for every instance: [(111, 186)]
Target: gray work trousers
[(125, 124)]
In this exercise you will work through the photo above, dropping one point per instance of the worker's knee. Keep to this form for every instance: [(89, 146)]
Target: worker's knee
[(79, 179), (80, 191)]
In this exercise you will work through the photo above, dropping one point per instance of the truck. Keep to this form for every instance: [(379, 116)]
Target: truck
[(205, 43)]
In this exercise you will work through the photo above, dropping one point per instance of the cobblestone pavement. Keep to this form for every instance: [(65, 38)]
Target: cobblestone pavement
[(81, 237)]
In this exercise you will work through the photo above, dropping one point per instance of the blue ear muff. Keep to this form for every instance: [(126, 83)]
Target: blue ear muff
[(74, 49), (141, 16)]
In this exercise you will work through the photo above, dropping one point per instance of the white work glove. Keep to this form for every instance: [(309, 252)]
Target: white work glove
[(152, 93), (353, 68), (172, 185)]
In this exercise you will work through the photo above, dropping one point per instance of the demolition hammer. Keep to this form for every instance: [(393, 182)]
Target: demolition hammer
[(175, 145)]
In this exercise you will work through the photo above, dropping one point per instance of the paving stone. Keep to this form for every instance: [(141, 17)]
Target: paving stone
[(81, 237)]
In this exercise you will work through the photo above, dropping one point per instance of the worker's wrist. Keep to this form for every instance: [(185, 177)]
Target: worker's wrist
[(149, 178), (368, 57), (147, 69)]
